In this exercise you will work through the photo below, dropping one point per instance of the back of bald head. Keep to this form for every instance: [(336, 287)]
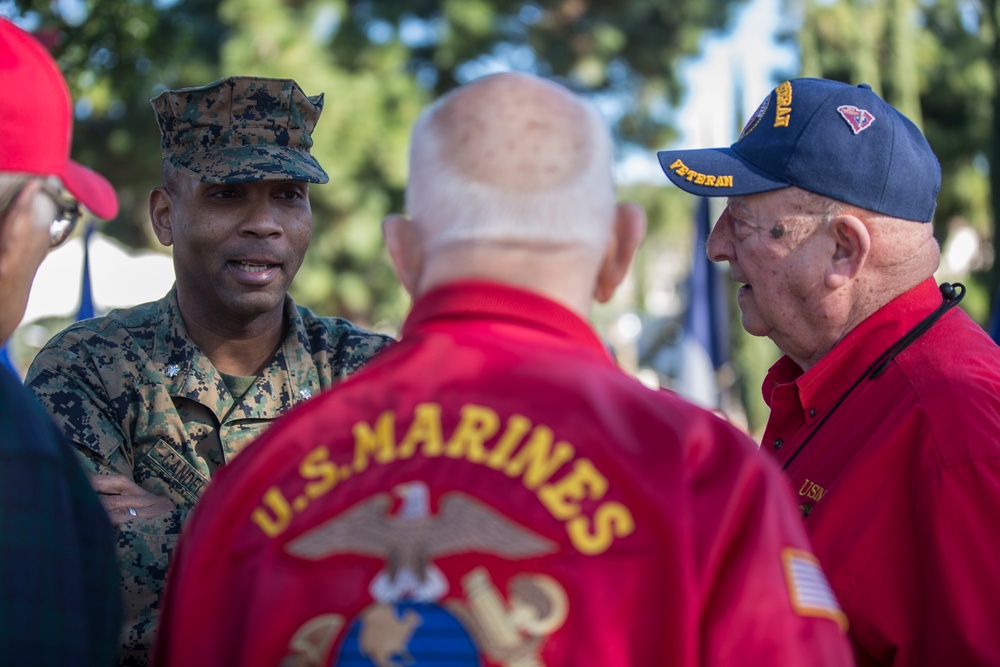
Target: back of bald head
[(511, 158)]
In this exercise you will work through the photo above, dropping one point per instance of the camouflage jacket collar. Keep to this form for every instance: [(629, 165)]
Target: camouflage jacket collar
[(188, 372)]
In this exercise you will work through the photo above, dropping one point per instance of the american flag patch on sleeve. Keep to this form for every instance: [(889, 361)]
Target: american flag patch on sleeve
[(807, 585)]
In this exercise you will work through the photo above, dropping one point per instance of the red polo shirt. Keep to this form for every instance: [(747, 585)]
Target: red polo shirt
[(902, 482), (494, 491)]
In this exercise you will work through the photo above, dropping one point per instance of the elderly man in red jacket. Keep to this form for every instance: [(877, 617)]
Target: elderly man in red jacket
[(493, 489), (885, 408)]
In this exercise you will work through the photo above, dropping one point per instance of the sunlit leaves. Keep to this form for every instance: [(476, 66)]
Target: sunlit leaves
[(378, 62)]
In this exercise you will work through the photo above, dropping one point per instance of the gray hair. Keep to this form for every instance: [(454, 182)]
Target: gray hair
[(453, 207)]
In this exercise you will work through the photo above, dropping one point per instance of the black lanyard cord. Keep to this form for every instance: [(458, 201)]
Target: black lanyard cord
[(951, 296)]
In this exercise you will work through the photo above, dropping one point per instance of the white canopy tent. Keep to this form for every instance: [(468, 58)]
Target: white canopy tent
[(119, 277)]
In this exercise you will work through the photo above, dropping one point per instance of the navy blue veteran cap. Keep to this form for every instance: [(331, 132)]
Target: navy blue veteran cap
[(836, 140), (241, 129)]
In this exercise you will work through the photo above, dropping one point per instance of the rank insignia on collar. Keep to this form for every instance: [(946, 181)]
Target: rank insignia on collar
[(172, 370)]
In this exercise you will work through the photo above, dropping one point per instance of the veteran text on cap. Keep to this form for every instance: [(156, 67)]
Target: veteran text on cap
[(840, 141)]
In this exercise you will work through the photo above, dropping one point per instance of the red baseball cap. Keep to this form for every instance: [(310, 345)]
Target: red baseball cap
[(36, 121)]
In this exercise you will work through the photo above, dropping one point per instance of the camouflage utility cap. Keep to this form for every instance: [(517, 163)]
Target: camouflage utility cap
[(241, 129)]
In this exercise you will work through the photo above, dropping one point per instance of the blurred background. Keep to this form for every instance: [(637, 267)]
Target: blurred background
[(665, 73)]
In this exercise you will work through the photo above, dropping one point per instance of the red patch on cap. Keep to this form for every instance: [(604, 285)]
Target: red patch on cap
[(858, 119)]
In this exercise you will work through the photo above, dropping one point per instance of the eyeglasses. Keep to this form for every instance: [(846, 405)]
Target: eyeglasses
[(68, 214)]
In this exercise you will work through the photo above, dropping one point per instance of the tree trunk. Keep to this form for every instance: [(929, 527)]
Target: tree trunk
[(903, 67), (992, 19), (867, 38), (808, 44)]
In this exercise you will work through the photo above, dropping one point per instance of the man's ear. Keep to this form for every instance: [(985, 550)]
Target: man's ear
[(627, 233), (853, 244), (402, 240), (160, 207)]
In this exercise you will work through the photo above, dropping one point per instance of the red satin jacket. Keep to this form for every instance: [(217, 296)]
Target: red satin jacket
[(493, 490)]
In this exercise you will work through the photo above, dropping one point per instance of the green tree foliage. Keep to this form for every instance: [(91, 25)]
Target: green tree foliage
[(938, 63), (378, 62), (116, 56)]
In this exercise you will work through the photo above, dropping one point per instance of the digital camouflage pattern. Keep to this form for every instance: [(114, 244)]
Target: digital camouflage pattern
[(241, 129), (137, 397)]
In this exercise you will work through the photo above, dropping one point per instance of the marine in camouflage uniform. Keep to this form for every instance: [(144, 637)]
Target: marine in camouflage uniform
[(137, 395)]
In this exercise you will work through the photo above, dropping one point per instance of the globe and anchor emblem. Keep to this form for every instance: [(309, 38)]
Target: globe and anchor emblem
[(409, 621)]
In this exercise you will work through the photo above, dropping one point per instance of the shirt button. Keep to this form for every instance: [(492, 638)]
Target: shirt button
[(778, 442), (812, 412)]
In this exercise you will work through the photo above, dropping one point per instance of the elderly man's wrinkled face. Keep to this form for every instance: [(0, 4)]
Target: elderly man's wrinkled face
[(769, 241), (237, 246), (25, 229)]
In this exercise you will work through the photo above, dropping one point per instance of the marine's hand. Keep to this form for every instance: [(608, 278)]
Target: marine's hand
[(119, 494)]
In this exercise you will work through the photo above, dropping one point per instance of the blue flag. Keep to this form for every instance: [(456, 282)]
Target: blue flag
[(704, 342), (993, 326), (707, 316), (6, 360), (86, 310)]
